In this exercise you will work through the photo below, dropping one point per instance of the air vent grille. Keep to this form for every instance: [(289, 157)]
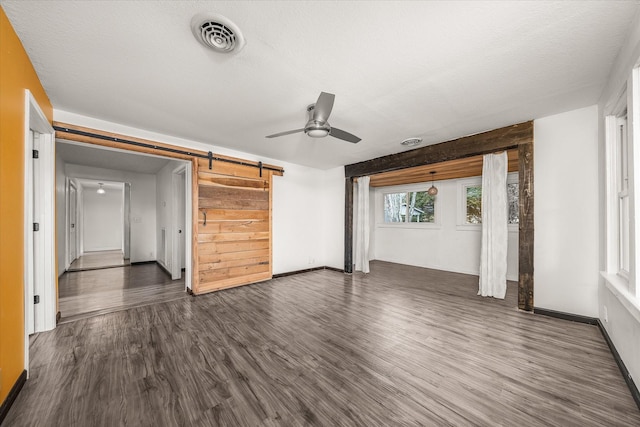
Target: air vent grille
[(217, 36), (217, 33)]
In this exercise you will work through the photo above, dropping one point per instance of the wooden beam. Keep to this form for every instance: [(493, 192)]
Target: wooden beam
[(487, 142), (348, 225), (525, 227), (451, 169)]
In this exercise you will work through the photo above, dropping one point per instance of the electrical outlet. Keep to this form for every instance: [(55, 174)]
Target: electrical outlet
[(605, 314)]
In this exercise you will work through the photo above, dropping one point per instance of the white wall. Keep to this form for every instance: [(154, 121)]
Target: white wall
[(102, 220), (61, 211), (447, 245), (566, 214), (143, 206), (622, 321), (332, 201), (298, 219)]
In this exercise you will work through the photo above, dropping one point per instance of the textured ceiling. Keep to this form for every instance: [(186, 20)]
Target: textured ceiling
[(438, 70)]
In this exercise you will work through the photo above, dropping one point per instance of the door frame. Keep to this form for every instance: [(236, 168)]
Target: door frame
[(176, 264), (69, 184), (45, 319)]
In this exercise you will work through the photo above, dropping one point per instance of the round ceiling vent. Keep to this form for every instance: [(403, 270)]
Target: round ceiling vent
[(217, 33), (411, 142)]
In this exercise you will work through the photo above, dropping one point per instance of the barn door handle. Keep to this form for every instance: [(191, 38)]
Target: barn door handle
[(205, 216)]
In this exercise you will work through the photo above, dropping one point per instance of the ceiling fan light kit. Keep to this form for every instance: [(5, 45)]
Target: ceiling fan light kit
[(317, 124)]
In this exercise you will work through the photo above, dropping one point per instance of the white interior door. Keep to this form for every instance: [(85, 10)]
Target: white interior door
[(126, 241), (30, 241), (39, 207), (182, 220), (73, 219), (178, 223)]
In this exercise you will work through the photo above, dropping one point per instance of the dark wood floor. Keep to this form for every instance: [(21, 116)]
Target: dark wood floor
[(98, 259), (92, 292), (400, 346)]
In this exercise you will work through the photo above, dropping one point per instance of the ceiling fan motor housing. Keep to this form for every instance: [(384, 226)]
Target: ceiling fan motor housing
[(315, 128)]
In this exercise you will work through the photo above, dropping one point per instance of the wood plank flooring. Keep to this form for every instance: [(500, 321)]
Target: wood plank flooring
[(99, 259), (402, 346), (98, 291)]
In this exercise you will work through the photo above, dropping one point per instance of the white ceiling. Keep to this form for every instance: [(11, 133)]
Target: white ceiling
[(79, 154), (438, 70)]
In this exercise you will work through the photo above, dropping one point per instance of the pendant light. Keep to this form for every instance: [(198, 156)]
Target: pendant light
[(101, 189), (432, 191)]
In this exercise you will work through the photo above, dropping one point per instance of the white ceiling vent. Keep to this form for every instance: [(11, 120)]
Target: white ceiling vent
[(217, 33)]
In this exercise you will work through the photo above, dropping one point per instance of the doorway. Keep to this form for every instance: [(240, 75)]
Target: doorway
[(39, 226), (121, 202), (99, 219)]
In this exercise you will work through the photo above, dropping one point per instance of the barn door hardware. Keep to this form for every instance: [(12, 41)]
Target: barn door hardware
[(204, 212), (209, 156)]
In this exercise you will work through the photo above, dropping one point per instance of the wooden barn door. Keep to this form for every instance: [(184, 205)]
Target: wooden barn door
[(233, 241)]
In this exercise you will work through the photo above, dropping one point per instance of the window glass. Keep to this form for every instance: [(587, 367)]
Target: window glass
[(421, 207), (474, 204), (395, 207)]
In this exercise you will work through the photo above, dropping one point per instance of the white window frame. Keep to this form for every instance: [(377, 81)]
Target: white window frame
[(626, 106), (381, 191), (463, 184)]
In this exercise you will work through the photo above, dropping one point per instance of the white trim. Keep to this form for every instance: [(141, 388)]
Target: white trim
[(620, 289), (463, 184), (44, 314), (188, 237), (633, 141), (176, 254)]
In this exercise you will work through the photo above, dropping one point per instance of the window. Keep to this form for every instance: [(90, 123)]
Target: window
[(471, 191), (473, 198), (411, 206), (622, 187), (620, 140)]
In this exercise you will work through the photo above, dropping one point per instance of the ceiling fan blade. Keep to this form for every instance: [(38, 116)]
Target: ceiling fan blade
[(345, 136), (289, 132), (323, 107)]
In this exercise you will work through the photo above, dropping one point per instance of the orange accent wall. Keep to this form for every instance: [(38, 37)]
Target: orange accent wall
[(16, 75)]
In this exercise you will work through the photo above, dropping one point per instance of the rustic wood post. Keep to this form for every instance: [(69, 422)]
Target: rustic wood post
[(348, 225)]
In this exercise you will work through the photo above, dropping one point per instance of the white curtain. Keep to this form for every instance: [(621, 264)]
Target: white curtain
[(493, 255), (362, 226)]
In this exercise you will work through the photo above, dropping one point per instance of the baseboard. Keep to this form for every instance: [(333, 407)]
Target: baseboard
[(623, 369), (58, 317), (143, 262), (616, 356), (306, 270), (11, 397), (566, 316)]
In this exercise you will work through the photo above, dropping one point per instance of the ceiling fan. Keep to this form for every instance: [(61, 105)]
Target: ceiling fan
[(318, 126)]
